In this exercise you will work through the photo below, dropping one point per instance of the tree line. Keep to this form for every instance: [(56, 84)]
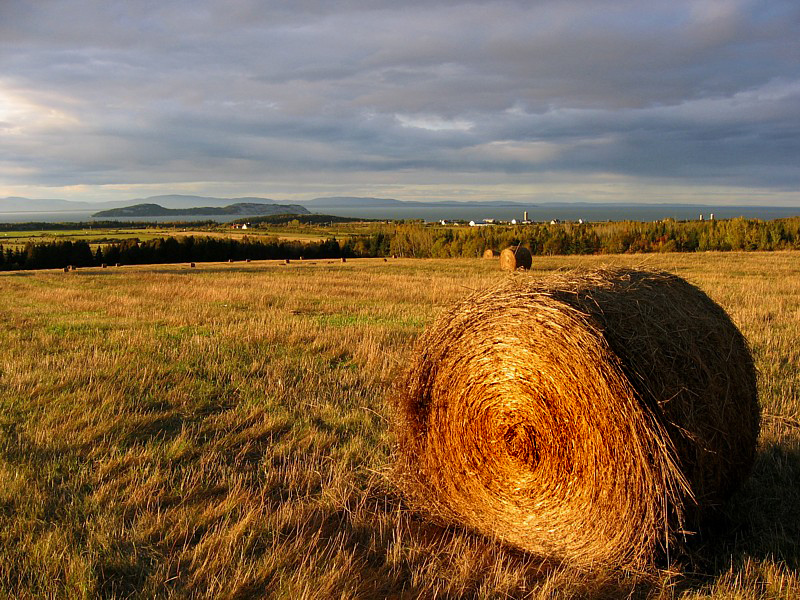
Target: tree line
[(425, 241), (415, 240), (63, 254)]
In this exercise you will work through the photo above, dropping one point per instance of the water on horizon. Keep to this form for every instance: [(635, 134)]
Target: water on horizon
[(542, 212)]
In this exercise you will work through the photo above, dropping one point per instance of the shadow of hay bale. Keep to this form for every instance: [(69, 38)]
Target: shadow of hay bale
[(593, 418), (761, 522)]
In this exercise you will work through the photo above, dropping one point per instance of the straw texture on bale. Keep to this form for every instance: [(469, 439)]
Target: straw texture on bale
[(590, 417), (515, 257)]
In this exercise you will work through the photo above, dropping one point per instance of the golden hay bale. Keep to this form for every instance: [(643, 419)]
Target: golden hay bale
[(489, 253), (589, 417), (515, 257)]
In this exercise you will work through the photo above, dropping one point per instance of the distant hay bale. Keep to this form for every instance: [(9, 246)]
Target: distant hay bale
[(286, 261), (247, 260), (104, 266), (117, 264), (192, 265), (489, 253), (515, 257), (230, 260), (66, 269), (344, 259), (590, 417)]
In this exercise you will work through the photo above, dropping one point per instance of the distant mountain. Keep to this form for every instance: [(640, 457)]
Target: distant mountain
[(19, 204), (149, 209), (184, 201), (351, 201), (356, 202), (181, 201)]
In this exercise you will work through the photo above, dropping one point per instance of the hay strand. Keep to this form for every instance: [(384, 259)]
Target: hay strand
[(589, 418)]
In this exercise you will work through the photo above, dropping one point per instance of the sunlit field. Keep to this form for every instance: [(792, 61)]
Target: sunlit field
[(224, 431), (101, 236)]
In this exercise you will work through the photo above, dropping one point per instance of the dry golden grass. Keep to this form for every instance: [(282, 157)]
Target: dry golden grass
[(222, 432)]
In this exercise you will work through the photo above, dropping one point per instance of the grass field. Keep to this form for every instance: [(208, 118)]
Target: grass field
[(224, 432), (99, 236)]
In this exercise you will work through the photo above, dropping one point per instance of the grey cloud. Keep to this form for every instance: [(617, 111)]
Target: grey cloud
[(688, 91)]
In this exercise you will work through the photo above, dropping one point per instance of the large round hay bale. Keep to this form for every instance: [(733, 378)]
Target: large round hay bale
[(515, 257), (590, 417), (489, 253)]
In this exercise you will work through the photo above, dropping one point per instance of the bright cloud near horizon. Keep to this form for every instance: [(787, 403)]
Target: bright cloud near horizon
[(576, 100)]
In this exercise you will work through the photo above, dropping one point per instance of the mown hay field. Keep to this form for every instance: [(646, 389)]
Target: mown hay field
[(224, 432)]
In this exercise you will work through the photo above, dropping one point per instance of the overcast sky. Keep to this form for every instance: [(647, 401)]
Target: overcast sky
[(421, 100)]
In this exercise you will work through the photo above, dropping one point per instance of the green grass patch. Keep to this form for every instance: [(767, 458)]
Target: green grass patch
[(225, 433)]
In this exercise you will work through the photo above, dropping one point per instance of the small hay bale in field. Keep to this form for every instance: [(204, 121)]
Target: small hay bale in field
[(66, 269), (286, 261), (590, 417), (118, 264), (104, 266), (192, 265), (344, 259), (489, 253), (246, 260), (515, 257)]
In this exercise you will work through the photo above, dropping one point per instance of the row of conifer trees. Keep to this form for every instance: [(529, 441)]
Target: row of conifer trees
[(423, 241), (63, 254)]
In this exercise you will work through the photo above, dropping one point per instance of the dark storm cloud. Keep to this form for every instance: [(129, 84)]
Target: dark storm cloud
[(113, 92)]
